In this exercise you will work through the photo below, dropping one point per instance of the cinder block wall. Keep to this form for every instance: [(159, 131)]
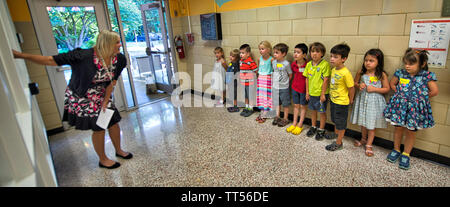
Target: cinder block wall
[(38, 74), (362, 24)]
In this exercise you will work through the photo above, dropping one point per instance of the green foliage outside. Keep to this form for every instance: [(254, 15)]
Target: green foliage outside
[(77, 27)]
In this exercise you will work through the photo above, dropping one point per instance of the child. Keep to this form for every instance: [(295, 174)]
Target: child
[(409, 109), (282, 75), (341, 93), (264, 83), (217, 80), (233, 68), (370, 102), (247, 71), (317, 73), (299, 88)]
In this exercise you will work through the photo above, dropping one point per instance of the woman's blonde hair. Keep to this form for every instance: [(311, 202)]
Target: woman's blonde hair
[(267, 45), (106, 41)]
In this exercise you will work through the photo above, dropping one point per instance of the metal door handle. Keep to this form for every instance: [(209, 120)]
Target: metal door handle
[(63, 68)]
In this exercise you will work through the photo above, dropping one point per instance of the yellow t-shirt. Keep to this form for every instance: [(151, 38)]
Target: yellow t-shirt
[(316, 75), (340, 81)]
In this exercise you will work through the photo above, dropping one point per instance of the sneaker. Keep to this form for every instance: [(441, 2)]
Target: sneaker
[(311, 132), (331, 135), (334, 146), (249, 112), (404, 162), (244, 111), (320, 134), (234, 109), (393, 156)]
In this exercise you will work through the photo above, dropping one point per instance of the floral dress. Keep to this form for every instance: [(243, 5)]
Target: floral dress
[(410, 106), (82, 112)]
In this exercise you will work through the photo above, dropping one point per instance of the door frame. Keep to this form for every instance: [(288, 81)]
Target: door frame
[(48, 45), (167, 36)]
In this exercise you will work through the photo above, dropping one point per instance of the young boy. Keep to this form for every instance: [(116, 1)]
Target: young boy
[(341, 94), (247, 72), (299, 88), (232, 70), (317, 73), (282, 75)]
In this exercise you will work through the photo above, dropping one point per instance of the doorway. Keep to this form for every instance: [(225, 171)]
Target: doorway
[(144, 25), (62, 26)]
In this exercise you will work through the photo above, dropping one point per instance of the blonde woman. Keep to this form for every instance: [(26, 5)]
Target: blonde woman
[(94, 75)]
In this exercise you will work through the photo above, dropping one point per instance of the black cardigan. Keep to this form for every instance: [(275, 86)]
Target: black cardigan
[(84, 69)]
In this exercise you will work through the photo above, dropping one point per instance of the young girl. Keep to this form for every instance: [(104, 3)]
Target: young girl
[(231, 81), (299, 88), (218, 77), (409, 109), (264, 83), (370, 102)]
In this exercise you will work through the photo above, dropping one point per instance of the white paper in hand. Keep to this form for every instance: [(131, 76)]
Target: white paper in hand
[(104, 118)]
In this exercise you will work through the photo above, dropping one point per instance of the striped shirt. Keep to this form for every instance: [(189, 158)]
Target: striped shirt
[(247, 71)]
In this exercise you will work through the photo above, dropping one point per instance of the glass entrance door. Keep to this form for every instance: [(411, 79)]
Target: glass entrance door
[(62, 26), (158, 50)]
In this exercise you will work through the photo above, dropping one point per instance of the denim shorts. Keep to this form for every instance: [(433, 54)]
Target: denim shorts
[(339, 115), (299, 98), (316, 105), (283, 97)]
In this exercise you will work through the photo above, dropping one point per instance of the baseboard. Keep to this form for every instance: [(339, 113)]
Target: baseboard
[(55, 131), (357, 135)]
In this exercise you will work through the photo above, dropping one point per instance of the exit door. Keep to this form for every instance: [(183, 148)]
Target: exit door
[(62, 26), (158, 45)]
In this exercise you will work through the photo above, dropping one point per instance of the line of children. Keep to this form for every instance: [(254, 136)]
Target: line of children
[(314, 82)]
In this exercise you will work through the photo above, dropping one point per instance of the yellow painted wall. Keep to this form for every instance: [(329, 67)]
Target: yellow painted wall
[(19, 10), (196, 7)]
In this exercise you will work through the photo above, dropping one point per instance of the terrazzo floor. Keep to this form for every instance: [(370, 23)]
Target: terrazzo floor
[(200, 146)]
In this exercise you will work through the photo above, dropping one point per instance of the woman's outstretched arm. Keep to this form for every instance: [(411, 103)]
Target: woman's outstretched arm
[(39, 59)]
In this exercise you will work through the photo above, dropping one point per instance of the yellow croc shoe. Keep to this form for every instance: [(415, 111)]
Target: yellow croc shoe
[(297, 130), (290, 129)]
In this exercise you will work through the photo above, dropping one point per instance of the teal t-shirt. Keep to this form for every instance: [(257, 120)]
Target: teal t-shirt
[(265, 66)]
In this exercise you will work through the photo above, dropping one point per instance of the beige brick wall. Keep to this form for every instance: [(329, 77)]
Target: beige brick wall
[(38, 74), (363, 24)]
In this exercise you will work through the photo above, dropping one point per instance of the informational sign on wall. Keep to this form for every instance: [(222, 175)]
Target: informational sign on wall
[(431, 35)]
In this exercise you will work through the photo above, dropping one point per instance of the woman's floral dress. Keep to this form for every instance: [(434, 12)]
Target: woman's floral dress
[(82, 112)]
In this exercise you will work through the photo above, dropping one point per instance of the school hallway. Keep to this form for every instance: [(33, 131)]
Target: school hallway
[(200, 146)]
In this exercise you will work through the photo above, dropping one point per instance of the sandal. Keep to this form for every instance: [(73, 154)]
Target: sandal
[(276, 120), (369, 151), (334, 146), (297, 130), (359, 143), (262, 120), (283, 123), (258, 118), (290, 129)]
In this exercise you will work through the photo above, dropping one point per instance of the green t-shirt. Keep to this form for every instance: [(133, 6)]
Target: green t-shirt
[(315, 75)]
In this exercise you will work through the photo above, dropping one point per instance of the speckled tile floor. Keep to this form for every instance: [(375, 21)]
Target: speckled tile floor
[(211, 147)]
